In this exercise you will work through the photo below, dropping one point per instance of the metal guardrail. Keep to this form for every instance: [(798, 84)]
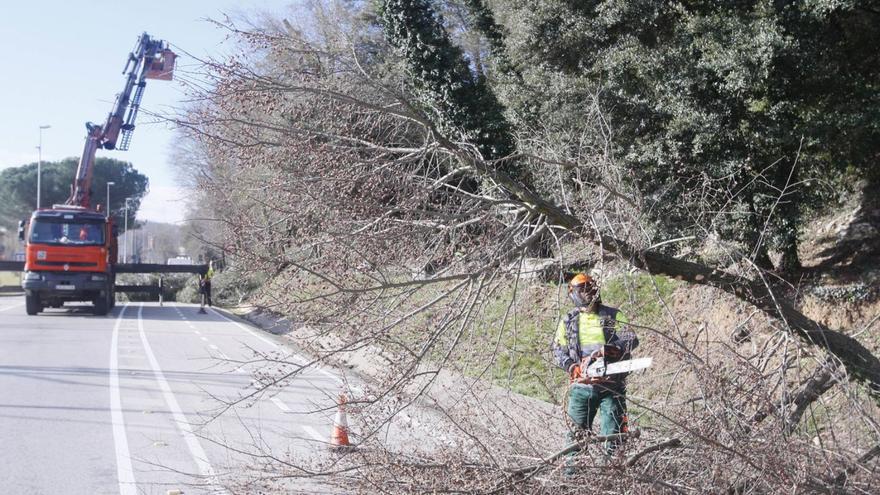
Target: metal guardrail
[(149, 289), (11, 266), (18, 266), (159, 268)]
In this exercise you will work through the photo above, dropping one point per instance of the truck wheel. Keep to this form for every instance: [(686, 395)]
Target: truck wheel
[(32, 303), (102, 304)]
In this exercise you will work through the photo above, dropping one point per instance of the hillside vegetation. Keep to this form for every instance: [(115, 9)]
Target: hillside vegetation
[(419, 180)]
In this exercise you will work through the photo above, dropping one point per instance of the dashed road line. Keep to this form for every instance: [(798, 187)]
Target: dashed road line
[(273, 344), (246, 329), (281, 405), (12, 307), (313, 433), (217, 352)]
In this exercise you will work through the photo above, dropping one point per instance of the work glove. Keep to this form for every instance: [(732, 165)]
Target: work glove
[(587, 361), (574, 371), (612, 352)]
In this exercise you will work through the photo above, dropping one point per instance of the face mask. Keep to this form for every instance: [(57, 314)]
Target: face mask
[(582, 299)]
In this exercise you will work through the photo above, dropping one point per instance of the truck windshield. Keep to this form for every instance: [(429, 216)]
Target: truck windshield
[(67, 232)]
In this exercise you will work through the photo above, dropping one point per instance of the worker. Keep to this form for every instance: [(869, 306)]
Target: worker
[(590, 331), (88, 233), (205, 284)]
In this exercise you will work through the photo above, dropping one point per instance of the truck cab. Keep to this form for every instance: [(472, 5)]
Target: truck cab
[(69, 256)]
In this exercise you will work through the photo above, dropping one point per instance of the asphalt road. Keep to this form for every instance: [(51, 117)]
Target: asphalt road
[(131, 403)]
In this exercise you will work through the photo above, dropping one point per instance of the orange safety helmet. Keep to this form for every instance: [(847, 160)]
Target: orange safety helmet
[(583, 290), (581, 279)]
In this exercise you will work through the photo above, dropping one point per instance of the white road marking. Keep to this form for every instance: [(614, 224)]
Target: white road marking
[(246, 329), (281, 405), (314, 433), (197, 332), (331, 375), (273, 344), (124, 471), (203, 339), (192, 442), (12, 307), (218, 352)]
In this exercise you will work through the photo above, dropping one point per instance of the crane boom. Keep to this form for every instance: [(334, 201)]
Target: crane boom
[(150, 59)]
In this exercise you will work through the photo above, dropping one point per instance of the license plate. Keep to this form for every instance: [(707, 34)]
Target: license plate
[(65, 287)]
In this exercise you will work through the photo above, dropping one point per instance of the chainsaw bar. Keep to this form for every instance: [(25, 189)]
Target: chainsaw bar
[(599, 369)]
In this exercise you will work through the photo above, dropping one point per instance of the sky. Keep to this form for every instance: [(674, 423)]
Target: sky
[(63, 62)]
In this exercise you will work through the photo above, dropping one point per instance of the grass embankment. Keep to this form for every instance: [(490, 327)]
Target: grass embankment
[(510, 327), (524, 363)]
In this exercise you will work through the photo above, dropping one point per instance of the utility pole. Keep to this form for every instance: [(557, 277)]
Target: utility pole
[(40, 163)]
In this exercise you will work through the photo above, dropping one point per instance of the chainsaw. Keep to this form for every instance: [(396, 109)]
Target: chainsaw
[(598, 368)]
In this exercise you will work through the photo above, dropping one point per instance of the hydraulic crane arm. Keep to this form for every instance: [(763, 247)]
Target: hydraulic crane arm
[(150, 59)]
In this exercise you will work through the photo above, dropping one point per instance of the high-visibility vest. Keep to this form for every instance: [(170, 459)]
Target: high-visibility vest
[(588, 331)]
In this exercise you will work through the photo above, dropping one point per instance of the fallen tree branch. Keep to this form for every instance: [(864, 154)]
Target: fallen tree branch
[(860, 363), (826, 376), (574, 447), (666, 444), (840, 479)]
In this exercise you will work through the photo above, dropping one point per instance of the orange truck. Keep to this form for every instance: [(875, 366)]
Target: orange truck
[(71, 249), (70, 254)]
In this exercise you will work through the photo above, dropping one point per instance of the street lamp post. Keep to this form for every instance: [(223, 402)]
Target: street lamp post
[(125, 241), (107, 205), (40, 163), (142, 242), (131, 238)]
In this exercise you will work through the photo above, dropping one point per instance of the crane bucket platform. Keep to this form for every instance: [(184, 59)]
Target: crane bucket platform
[(161, 67)]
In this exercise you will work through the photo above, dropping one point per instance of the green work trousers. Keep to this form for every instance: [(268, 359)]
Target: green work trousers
[(585, 402)]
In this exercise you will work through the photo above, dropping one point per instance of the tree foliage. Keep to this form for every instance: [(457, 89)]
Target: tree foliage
[(735, 117), (18, 185), (343, 155)]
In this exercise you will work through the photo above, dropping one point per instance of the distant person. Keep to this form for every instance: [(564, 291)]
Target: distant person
[(88, 233), (205, 285)]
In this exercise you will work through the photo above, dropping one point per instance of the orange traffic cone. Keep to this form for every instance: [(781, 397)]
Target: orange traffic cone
[(339, 437)]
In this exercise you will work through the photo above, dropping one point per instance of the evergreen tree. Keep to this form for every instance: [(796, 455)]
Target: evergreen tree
[(718, 109), (18, 186)]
